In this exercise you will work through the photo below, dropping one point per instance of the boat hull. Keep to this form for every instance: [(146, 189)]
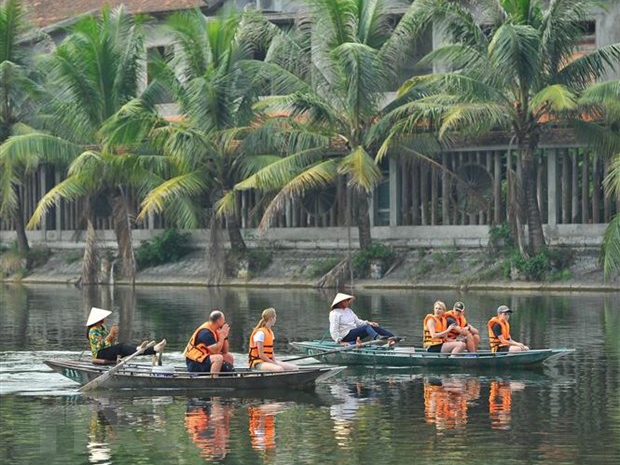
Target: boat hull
[(410, 357), (142, 377)]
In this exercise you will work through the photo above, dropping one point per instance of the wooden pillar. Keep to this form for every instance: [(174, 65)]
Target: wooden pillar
[(424, 193), (497, 187), (445, 190), (405, 199), (596, 190), (394, 189), (574, 188), (585, 188), (552, 179), (59, 207), (510, 178), (539, 188), (415, 194), (434, 195), (566, 185)]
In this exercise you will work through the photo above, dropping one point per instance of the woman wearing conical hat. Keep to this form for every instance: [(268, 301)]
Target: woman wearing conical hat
[(346, 327), (102, 340)]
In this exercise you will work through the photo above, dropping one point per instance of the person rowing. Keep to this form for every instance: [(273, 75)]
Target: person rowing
[(436, 330), (262, 341), (345, 327), (464, 331), (102, 341), (499, 333), (207, 349)]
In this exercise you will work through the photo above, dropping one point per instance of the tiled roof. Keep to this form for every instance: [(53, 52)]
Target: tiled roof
[(47, 12)]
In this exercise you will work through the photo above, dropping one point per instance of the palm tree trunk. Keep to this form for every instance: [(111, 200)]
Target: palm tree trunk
[(122, 229), (363, 220), (20, 227), (234, 233), (90, 263), (534, 222)]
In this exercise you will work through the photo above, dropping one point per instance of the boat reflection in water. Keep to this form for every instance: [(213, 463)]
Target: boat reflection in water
[(100, 433), (447, 400), (500, 402), (344, 414), (208, 424)]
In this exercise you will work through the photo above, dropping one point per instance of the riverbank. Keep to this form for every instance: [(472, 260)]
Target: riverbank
[(422, 268)]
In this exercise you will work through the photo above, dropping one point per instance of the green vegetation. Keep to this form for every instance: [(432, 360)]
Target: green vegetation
[(375, 251), (169, 247), (321, 267), (16, 262)]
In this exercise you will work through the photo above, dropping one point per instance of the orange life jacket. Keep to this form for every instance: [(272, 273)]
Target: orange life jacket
[(262, 429), (253, 358), (494, 341), (500, 405), (460, 320), (199, 352), (440, 325)]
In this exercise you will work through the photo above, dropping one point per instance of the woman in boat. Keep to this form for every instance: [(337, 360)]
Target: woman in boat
[(102, 340), (346, 327), (499, 333), (436, 330), (262, 339)]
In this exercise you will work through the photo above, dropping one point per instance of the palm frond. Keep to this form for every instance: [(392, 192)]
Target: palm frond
[(584, 71), (29, 149), (362, 171), (611, 247), (553, 98)]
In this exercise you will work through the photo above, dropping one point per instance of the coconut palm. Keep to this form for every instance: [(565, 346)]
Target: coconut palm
[(91, 75), (514, 67), (203, 144), (327, 81), (17, 91)]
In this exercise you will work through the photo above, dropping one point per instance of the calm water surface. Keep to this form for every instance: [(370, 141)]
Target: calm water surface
[(568, 412)]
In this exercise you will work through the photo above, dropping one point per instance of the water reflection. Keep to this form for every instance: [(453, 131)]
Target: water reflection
[(447, 400), (208, 424), (500, 402)]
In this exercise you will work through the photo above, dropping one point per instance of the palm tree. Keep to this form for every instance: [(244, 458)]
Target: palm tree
[(327, 81), (17, 90), (203, 147), (516, 68), (92, 74)]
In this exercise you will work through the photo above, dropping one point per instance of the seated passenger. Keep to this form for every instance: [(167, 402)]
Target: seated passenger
[(499, 333), (346, 327), (464, 331), (262, 356), (436, 330), (207, 349), (102, 340)]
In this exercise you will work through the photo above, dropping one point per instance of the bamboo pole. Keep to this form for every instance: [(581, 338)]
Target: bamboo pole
[(585, 189)]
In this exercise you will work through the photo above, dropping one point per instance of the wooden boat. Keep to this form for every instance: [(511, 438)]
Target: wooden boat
[(411, 357), (146, 377)]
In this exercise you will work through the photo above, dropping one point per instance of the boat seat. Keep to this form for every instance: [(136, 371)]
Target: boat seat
[(103, 361)]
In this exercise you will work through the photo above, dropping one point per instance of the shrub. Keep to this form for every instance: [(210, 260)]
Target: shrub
[(375, 251), (533, 268), (259, 259), (168, 247), (322, 267)]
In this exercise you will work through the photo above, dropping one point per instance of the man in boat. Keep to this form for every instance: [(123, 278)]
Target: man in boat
[(262, 355), (464, 331), (436, 330), (499, 333), (102, 341), (345, 327), (208, 349)]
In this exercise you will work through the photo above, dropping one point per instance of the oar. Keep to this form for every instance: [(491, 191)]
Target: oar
[(95, 383), (339, 349)]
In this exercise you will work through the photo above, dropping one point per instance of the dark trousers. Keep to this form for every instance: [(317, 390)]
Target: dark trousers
[(366, 330), (123, 349)]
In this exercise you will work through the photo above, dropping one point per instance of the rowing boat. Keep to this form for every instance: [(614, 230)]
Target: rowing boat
[(412, 357), (146, 377)]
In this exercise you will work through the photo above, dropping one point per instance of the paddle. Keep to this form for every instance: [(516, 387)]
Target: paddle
[(339, 349), (97, 382)]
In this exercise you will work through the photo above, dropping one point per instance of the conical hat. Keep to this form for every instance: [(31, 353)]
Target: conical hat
[(96, 315), (340, 297)]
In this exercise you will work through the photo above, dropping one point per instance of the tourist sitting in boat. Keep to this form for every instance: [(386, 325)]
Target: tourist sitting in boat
[(436, 330), (207, 349), (499, 333), (464, 331), (262, 355), (345, 327), (102, 340)]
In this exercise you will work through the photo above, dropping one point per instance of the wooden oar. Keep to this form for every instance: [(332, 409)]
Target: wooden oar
[(97, 382), (339, 349)]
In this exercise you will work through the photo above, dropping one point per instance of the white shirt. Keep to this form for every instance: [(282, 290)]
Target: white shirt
[(341, 321), (259, 336)]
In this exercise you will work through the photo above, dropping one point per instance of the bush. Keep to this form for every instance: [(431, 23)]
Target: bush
[(259, 259), (168, 247), (533, 268), (500, 238), (322, 267), (375, 251)]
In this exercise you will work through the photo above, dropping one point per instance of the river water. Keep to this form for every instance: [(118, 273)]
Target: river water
[(566, 413)]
